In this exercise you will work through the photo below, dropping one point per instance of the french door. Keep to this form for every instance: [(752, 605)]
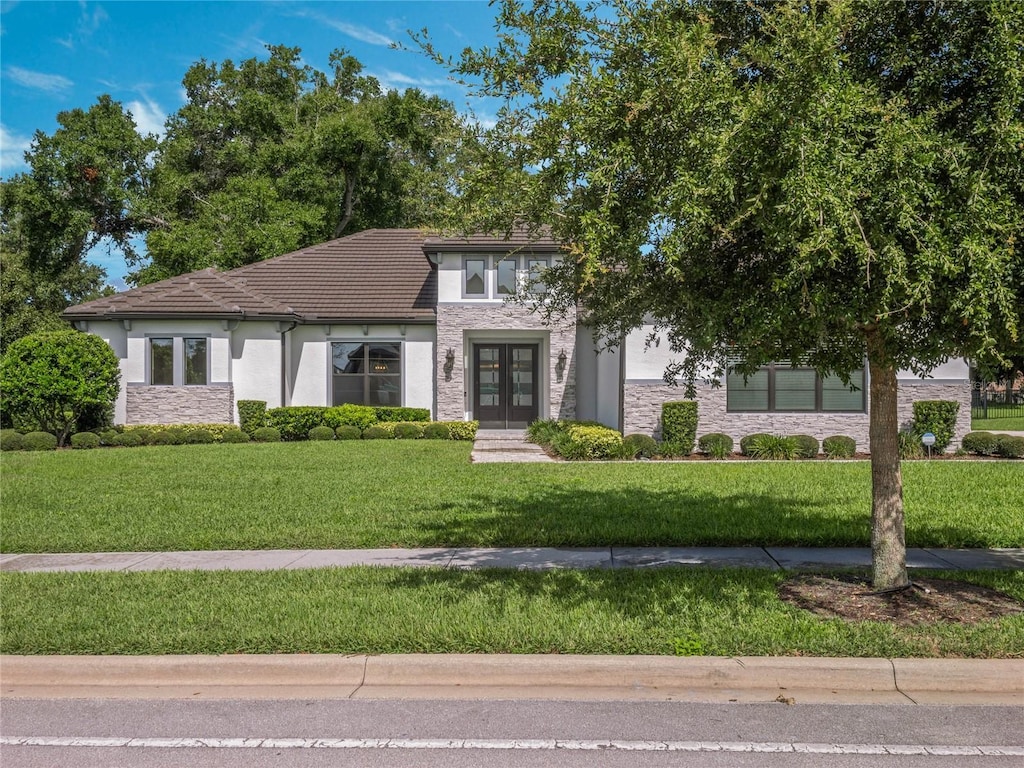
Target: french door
[(505, 385)]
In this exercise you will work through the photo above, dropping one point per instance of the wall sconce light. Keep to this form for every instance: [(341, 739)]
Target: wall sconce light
[(560, 365), (449, 363)]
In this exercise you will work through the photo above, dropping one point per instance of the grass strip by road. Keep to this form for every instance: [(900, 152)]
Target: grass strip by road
[(426, 493), (368, 610)]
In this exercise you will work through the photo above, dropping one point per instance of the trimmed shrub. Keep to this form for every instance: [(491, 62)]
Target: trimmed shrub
[(679, 424), (462, 430), (349, 415), (11, 440), (321, 433), (145, 435), (163, 437), (839, 446), (387, 426), (267, 435), (108, 436), (39, 441), (910, 444), (777, 447), (252, 415), (981, 443), (408, 431), (85, 440), (376, 433), (1009, 447), (937, 417), (199, 437), (716, 444), (543, 431), (348, 432), (806, 446), (587, 441), (749, 440), (437, 430), (127, 440), (295, 421), (177, 435), (638, 445), (670, 450), (234, 436), (389, 413)]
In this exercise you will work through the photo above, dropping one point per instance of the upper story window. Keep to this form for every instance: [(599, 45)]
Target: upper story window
[(179, 361), (506, 276), (474, 277), (496, 277), (535, 269), (781, 388)]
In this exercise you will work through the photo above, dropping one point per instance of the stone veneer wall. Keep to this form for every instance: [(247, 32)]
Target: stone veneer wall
[(454, 320), (642, 412), (213, 404)]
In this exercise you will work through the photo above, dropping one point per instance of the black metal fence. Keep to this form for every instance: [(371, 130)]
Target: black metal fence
[(990, 402)]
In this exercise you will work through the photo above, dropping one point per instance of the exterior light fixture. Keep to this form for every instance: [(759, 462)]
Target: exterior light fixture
[(449, 363), (560, 366)]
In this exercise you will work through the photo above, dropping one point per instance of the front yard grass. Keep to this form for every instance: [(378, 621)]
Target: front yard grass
[(1009, 424), (342, 494), (367, 610)]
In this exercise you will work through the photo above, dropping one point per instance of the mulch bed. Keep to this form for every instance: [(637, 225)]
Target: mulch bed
[(928, 601)]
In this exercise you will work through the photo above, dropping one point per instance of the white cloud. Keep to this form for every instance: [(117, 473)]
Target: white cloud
[(38, 80), (12, 151), (391, 80), (149, 117), (364, 34)]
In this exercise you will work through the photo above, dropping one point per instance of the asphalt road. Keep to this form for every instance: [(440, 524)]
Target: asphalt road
[(491, 733)]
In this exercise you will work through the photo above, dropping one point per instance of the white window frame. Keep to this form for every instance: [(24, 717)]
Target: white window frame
[(177, 358)]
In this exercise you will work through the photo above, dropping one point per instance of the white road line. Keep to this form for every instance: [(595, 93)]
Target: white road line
[(513, 744)]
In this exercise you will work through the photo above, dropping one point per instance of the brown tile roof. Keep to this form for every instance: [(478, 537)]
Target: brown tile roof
[(375, 274)]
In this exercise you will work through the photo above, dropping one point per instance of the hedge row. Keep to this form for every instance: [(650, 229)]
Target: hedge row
[(294, 422), (991, 444)]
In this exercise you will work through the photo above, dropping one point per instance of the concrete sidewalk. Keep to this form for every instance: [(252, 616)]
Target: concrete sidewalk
[(787, 680), (526, 558)]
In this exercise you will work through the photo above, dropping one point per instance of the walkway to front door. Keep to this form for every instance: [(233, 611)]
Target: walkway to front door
[(506, 389), (504, 445)]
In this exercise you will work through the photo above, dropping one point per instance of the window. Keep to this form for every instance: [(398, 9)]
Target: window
[(780, 387), (366, 373), (177, 361), (507, 276), (535, 268), (474, 272)]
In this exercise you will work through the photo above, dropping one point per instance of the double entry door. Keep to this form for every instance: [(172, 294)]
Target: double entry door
[(506, 390)]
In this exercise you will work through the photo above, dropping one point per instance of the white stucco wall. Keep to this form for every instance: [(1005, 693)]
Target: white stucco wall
[(256, 362)]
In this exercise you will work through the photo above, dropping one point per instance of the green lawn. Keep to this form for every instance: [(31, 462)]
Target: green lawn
[(366, 610), (1008, 424), (426, 493)]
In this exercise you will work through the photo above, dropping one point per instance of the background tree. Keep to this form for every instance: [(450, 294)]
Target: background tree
[(271, 155), (829, 182), (49, 380)]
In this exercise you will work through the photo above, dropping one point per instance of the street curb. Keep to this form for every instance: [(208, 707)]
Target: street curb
[(787, 680)]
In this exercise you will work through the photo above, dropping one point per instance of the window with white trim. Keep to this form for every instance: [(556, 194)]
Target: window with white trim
[(179, 361), (498, 277), (779, 387), (366, 372)]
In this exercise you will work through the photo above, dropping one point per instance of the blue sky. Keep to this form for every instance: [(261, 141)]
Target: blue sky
[(61, 55)]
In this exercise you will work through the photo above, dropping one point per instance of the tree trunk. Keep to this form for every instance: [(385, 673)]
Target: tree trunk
[(888, 542), (348, 203)]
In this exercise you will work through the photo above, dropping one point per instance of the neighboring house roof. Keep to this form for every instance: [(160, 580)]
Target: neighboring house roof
[(375, 274)]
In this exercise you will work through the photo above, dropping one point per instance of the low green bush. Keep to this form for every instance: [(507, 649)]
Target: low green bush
[(544, 431), (748, 441), (108, 436), (321, 433), (11, 440), (910, 444), (85, 440), (199, 437), (350, 415), (163, 437), (777, 447), (348, 432), (39, 441), (839, 447), (145, 434), (587, 441), (981, 443), (937, 417), (267, 435), (177, 435), (807, 446), (252, 415), (462, 430), (127, 440), (387, 426), (1009, 447), (679, 424), (376, 433), (408, 431), (148, 430), (670, 450), (715, 444), (396, 414), (295, 421), (437, 430), (638, 445), (234, 436)]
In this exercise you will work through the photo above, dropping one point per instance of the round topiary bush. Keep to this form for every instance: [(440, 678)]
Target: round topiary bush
[(39, 441), (1010, 446), (234, 436), (108, 436), (637, 445), (177, 435), (267, 435), (145, 436), (11, 440), (321, 433), (375, 433), (163, 437), (716, 445), (747, 443), (348, 432), (981, 443), (839, 446), (84, 440), (127, 440), (806, 446), (437, 431), (408, 431), (199, 437)]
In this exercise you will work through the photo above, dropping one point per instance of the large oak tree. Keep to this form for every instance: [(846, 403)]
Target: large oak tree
[(830, 182)]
